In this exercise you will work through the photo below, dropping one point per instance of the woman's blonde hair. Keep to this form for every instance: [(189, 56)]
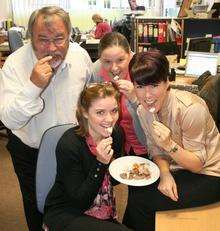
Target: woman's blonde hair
[(90, 94), (97, 18)]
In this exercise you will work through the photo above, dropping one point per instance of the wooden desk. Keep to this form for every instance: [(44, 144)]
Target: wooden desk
[(192, 219)]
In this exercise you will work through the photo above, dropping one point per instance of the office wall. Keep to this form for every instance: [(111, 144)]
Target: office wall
[(79, 17)]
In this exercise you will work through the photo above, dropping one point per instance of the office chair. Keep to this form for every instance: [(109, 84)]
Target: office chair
[(46, 163), (15, 40), (211, 94)]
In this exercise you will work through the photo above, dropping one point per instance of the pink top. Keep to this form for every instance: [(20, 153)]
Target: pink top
[(103, 206), (102, 28), (126, 121)]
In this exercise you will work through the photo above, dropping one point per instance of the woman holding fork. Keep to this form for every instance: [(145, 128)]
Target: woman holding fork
[(82, 195), (114, 57), (182, 139)]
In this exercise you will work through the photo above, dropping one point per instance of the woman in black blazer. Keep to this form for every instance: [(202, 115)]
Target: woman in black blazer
[(82, 196)]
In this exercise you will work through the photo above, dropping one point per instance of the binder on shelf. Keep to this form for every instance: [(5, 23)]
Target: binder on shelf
[(150, 32), (171, 34), (156, 32), (140, 48), (178, 39), (146, 39), (162, 32), (177, 31), (140, 32)]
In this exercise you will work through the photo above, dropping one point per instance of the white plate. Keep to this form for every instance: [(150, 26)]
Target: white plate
[(122, 164)]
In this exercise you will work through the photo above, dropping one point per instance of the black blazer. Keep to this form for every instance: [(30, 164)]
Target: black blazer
[(79, 176)]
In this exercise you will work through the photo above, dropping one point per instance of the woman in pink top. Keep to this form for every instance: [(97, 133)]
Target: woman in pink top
[(102, 27), (115, 55)]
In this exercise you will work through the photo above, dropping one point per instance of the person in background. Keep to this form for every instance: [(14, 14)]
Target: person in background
[(82, 196), (133, 4), (40, 85), (115, 55), (102, 27), (182, 139)]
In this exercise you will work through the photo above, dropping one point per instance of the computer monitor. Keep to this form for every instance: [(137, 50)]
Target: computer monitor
[(199, 62), (201, 44), (76, 35), (133, 4), (75, 30), (216, 7)]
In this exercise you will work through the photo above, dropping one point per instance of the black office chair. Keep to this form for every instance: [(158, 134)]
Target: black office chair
[(15, 40)]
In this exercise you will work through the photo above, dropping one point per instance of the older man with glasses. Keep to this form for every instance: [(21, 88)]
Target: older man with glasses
[(40, 86)]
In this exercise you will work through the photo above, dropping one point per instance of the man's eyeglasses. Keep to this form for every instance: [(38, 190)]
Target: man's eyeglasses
[(55, 41)]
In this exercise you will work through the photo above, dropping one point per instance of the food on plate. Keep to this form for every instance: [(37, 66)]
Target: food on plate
[(138, 171)]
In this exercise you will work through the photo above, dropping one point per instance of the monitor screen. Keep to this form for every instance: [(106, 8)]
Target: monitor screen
[(216, 7), (75, 30), (133, 4), (201, 44), (199, 62)]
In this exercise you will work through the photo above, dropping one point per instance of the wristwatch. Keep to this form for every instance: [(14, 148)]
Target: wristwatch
[(174, 148)]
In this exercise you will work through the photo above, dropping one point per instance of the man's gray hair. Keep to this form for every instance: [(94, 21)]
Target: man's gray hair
[(47, 12)]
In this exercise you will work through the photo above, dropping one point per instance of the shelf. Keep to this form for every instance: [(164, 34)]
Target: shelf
[(142, 44), (152, 31)]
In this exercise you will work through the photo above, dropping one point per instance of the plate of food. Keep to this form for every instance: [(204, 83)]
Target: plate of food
[(134, 170)]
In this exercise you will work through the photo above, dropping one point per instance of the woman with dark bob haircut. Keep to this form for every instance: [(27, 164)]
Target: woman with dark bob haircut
[(182, 139)]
